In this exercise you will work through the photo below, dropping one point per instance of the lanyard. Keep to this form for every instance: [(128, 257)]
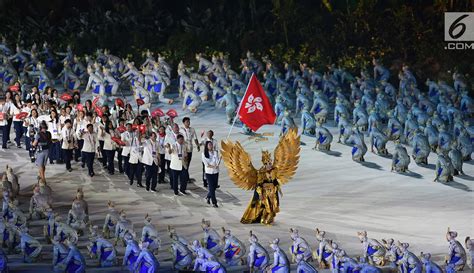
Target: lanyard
[(153, 147), (68, 134), (161, 141), (179, 149), (133, 138), (34, 122), (186, 130), (91, 139), (214, 157)]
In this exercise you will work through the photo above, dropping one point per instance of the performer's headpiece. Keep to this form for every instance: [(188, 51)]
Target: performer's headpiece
[(266, 157)]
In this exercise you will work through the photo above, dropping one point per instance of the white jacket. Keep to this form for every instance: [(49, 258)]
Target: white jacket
[(171, 139), (4, 110), (80, 126), (135, 150), (62, 119), (67, 136), (161, 142), (212, 160), (14, 111), (127, 139), (99, 129), (90, 142), (30, 121), (189, 137), (26, 110), (53, 128), (177, 155), (151, 153), (109, 144)]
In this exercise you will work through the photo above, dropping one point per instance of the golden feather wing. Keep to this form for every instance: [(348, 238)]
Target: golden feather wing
[(286, 156), (239, 165)]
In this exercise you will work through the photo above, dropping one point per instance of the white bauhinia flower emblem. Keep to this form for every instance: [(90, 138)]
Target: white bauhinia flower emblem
[(253, 104)]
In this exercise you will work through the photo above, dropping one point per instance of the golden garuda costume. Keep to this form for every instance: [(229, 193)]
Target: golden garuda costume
[(266, 181)]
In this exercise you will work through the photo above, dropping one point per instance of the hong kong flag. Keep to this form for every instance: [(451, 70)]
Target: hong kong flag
[(255, 108)]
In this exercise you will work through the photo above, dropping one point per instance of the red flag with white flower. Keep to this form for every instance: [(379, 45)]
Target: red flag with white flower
[(255, 108)]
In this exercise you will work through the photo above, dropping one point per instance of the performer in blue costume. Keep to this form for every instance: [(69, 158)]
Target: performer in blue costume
[(421, 147), (233, 249), (323, 252), (409, 263), (258, 257), (111, 219), (3, 261), (150, 235), (132, 250), (101, 249), (182, 255), (30, 247), (400, 158), (374, 251), (457, 254), (75, 261), (359, 148), (211, 240), (323, 138), (429, 265), (308, 123), (60, 252), (300, 246), (444, 169), (304, 266), (146, 261), (281, 264), (212, 265)]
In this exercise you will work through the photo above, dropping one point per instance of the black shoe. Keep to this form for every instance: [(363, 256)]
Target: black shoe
[(18, 146), (111, 173), (9, 141), (208, 200), (140, 186), (154, 190), (4, 147), (176, 193), (51, 162), (205, 185), (91, 174), (147, 189), (131, 182), (120, 171), (69, 170), (215, 205), (83, 165), (184, 192), (218, 186)]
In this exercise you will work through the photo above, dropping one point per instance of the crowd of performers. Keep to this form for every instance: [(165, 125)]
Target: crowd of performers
[(73, 131), (59, 127), (433, 117), (213, 253)]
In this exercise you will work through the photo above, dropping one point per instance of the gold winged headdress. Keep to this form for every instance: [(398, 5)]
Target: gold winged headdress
[(244, 174)]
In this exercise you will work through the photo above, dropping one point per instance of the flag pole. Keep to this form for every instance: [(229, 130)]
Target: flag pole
[(238, 109)]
